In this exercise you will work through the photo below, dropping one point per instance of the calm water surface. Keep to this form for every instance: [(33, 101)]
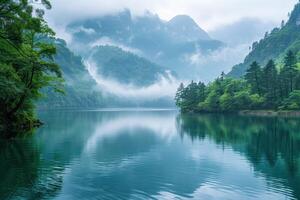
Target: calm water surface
[(153, 155)]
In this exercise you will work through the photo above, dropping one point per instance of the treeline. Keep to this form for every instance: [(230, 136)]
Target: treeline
[(26, 62), (262, 88)]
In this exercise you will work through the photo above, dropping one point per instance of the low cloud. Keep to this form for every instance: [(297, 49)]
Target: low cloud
[(107, 41), (209, 14), (165, 87), (209, 66)]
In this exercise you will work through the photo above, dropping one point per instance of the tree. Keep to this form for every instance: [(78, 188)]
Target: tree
[(270, 84), (253, 77), (179, 95), (223, 75), (201, 91), (282, 23), (292, 102), (266, 34), (288, 73), (26, 62)]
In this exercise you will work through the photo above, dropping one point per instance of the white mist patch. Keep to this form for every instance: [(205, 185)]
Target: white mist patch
[(165, 87), (211, 65), (109, 42), (228, 55)]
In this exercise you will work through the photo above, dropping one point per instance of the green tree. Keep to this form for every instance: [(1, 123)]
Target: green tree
[(254, 77), (201, 92), (179, 95), (292, 102), (26, 62), (270, 84), (288, 73)]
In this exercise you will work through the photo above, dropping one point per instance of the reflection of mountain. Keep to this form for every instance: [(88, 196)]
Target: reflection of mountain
[(147, 155), (125, 155), (272, 145)]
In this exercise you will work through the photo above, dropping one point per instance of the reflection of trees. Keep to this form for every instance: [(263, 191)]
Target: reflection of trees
[(272, 145), (24, 171), (23, 174)]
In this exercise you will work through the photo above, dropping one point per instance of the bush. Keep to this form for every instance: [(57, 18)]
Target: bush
[(292, 102)]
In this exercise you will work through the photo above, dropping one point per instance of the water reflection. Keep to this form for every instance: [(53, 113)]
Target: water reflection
[(271, 145), (22, 173), (153, 155)]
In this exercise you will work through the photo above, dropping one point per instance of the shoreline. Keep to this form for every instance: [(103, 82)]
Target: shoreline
[(270, 113), (258, 113)]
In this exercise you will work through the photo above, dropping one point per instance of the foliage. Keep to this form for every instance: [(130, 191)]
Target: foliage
[(80, 90), (261, 88), (292, 102), (26, 62), (274, 46)]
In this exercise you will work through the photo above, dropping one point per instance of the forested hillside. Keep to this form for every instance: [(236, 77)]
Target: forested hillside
[(80, 89), (274, 45), (125, 67), (262, 88)]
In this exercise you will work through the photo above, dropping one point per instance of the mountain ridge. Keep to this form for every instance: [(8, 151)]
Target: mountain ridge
[(274, 45), (166, 43)]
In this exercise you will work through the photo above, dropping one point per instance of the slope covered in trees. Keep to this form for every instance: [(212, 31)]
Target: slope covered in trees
[(261, 88), (274, 45), (125, 67), (80, 89)]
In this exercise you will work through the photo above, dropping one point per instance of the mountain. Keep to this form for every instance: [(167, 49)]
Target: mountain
[(83, 91), (80, 88), (125, 67), (167, 43), (184, 28), (274, 45)]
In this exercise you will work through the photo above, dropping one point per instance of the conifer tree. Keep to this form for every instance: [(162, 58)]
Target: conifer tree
[(270, 83), (253, 77), (288, 73)]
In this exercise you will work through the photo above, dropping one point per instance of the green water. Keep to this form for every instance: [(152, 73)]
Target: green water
[(153, 155)]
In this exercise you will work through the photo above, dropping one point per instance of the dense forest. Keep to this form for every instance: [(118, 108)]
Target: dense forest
[(262, 88), (26, 62)]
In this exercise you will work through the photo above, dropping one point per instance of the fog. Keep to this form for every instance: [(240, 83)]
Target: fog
[(107, 41), (165, 87), (209, 14), (209, 66)]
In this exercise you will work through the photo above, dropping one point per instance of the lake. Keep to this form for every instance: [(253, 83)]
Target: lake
[(153, 154)]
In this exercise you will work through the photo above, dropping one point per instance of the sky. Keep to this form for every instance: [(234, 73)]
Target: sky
[(209, 14)]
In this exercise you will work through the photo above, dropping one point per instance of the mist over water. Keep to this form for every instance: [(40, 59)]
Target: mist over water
[(165, 87)]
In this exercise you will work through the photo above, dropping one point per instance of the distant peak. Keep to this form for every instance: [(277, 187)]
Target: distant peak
[(182, 19), (186, 27)]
